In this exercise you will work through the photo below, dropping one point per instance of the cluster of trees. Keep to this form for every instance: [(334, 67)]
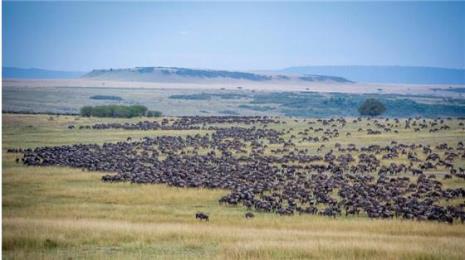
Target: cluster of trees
[(215, 74), (118, 111), (371, 107), (103, 97)]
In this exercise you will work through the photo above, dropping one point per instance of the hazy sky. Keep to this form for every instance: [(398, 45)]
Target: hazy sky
[(84, 35)]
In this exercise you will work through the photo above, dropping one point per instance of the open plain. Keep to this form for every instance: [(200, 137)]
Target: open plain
[(61, 212), (241, 98)]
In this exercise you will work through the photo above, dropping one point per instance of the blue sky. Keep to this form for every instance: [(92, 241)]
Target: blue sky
[(84, 35)]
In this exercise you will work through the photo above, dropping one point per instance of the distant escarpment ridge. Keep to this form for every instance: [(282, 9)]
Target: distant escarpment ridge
[(387, 74), (173, 74)]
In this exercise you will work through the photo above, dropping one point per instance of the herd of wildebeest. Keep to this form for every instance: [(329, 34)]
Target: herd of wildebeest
[(268, 166)]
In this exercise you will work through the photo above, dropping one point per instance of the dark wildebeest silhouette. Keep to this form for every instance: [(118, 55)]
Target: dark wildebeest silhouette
[(249, 215), (201, 216)]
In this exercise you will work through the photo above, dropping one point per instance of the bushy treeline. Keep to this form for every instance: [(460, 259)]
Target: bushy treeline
[(103, 97), (118, 111), (215, 74), (208, 96)]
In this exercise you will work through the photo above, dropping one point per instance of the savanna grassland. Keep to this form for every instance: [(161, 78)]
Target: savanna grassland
[(59, 212), (232, 99)]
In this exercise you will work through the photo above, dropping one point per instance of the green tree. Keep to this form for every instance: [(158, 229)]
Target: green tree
[(121, 111), (102, 111), (371, 107), (86, 111), (137, 110), (114, 111), (154, 113)]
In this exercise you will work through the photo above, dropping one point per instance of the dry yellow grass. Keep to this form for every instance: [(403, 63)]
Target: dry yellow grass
[(56, 213)]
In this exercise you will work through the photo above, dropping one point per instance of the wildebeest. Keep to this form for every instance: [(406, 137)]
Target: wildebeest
[(201, 216), (249, 215), (267, 170)]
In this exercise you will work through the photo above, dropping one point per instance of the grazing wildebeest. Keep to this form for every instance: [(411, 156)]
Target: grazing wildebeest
[(201, 216), (286, 181), (249, 215)]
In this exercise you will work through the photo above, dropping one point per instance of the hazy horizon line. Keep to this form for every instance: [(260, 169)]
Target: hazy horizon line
[(209, 68)]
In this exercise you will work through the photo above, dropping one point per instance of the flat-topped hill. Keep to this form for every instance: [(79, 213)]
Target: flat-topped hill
[(175, 74)]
